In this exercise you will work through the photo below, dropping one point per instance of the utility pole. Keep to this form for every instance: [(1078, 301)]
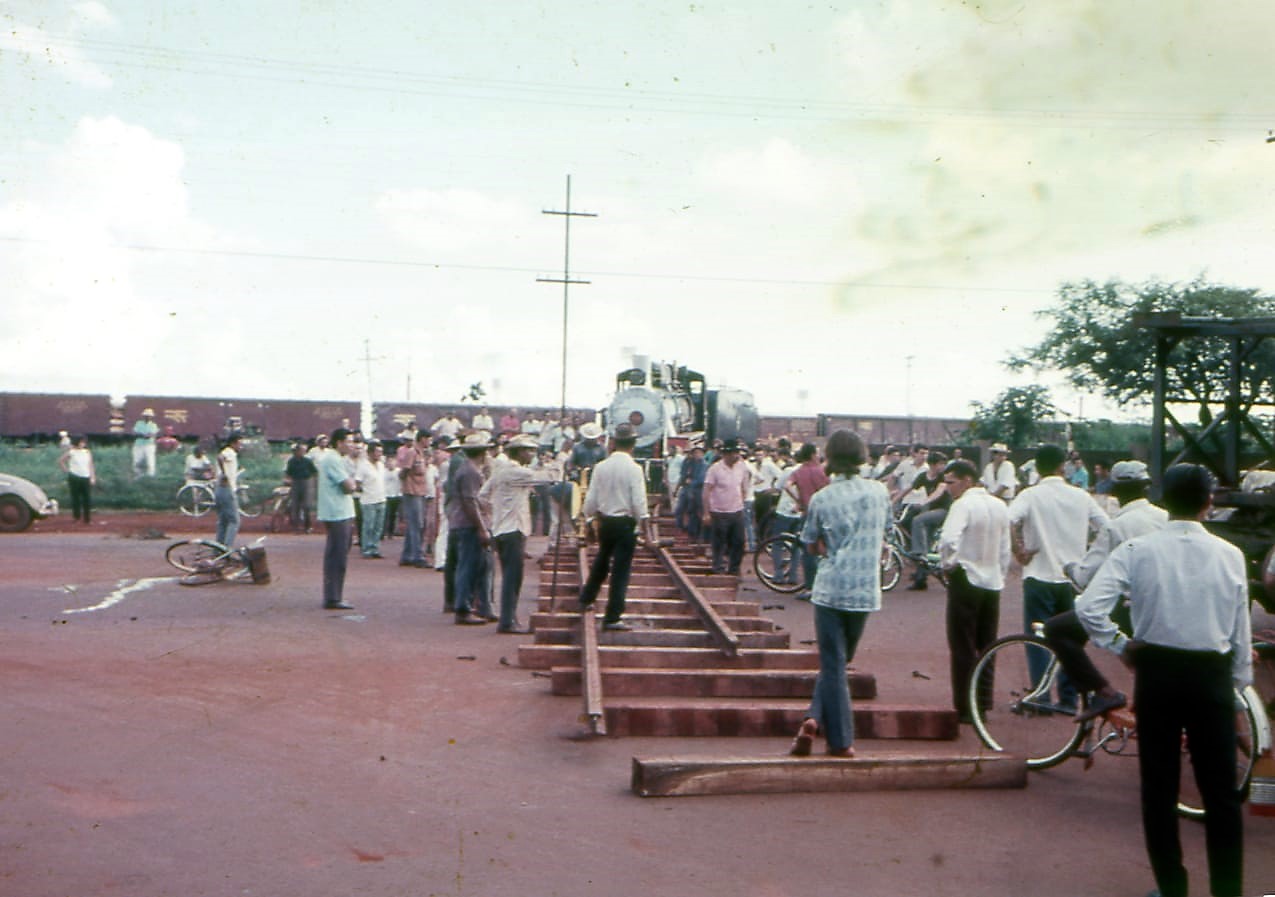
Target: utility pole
[(368, 423), (566, 281)]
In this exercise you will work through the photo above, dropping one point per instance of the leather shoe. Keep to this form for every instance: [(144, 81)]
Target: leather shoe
[(1101, 704), (340, 605), (917, 585), (518, 629), (470, 620), (617, 626)]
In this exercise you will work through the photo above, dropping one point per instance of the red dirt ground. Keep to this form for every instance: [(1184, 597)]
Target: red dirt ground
[(238, 740)]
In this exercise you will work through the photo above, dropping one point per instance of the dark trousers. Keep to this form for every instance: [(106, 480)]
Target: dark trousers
[(81, 503), (617, 540), (973, 615), (298, 504), (1041, 601), (391, 515), (728, 535), (1068, 639), (509, 548), (336, 555), (1189, 691), (449, 572), (469, 568)]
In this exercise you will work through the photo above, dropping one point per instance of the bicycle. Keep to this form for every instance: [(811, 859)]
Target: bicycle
[(195, 498), (777, 562), (1013, 715), (897, 549), (204, 561)]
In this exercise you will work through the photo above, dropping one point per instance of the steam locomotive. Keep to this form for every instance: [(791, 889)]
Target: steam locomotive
[(672, 405)]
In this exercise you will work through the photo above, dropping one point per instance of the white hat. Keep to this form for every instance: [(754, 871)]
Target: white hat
[(591, 431), (1130, 472), (999, 447), (472, 441), (523, 441)]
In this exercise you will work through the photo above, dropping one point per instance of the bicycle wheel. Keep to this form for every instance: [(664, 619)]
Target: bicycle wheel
[(891, 567), (1190, 803), (194, 499), (777, 561), (1011, 714), (246, 507), (194, 555), (280, 512)]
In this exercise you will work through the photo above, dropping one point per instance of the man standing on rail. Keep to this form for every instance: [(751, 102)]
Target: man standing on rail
[(616, 505), (728, 485), (1190, 651), (974, 551)]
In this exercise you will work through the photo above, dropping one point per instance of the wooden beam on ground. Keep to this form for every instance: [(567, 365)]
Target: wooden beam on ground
[(594, 712), (723, 636), (692, 776)]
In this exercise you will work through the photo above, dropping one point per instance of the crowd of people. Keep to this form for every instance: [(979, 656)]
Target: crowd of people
[(1150, 584)]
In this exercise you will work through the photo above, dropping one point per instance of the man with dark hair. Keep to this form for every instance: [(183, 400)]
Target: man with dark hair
[(927, 515), (1190, 650), (845, 526), (1049, 525), (974, 550), (469, 534), (616, 503), (727, 486), (1136, 517), (224, 495), (336, 511)]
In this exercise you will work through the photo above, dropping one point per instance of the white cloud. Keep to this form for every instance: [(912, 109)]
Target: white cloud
[(778, 171), (451, 220), (94, 13)]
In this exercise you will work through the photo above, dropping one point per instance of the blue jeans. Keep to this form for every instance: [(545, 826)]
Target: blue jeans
[(1041, 601), (473, 573), (838, 633), (413, 508), (227, 515), (727, 535), (784, 564), (373, 529)]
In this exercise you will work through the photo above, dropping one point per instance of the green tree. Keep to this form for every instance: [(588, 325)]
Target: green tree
[(1095, 340), (1019, 416)]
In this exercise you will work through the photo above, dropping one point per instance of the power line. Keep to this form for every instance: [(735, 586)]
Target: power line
[(513, 269)]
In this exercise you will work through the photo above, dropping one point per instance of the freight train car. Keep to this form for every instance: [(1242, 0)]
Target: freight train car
[(39, 416), (881, 430), (273, 419)]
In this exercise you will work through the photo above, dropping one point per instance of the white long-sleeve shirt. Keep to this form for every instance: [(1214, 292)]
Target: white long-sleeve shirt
[(975, 537), (617, 488), (1137, 518), (1187, 589)]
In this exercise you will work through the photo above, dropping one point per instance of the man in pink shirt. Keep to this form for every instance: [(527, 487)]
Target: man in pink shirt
[(727, 485)]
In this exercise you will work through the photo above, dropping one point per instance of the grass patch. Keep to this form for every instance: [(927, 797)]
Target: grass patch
[(116, 488)]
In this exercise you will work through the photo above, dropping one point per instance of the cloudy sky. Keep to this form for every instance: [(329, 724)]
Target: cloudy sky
[(851, 207)]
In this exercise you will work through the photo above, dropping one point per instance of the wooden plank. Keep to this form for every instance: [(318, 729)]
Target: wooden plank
[(692, 776)]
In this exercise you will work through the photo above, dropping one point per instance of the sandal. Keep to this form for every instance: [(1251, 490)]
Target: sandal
[(805, 740)]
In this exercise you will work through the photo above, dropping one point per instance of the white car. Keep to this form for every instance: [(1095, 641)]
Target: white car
[(22, 501)]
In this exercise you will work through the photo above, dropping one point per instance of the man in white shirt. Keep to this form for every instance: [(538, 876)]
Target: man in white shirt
[(224, 492), (508, 495), (370, 478), (616, 504), (1137, 516), (999, 475), (1050, 525), (1191, 648), (974, 551)]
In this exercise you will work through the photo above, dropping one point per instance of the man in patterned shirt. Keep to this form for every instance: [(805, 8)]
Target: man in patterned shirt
[(845, 526)]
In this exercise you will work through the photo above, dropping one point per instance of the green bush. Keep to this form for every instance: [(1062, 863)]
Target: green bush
[(116, 487)]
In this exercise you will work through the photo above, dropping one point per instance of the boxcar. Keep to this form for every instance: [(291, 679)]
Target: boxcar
[(25, 415)]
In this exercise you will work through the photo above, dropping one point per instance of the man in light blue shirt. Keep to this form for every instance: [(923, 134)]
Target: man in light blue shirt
[(844, 528), (336, 510)]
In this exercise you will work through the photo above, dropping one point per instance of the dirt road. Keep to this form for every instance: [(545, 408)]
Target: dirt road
[(239, 740)]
